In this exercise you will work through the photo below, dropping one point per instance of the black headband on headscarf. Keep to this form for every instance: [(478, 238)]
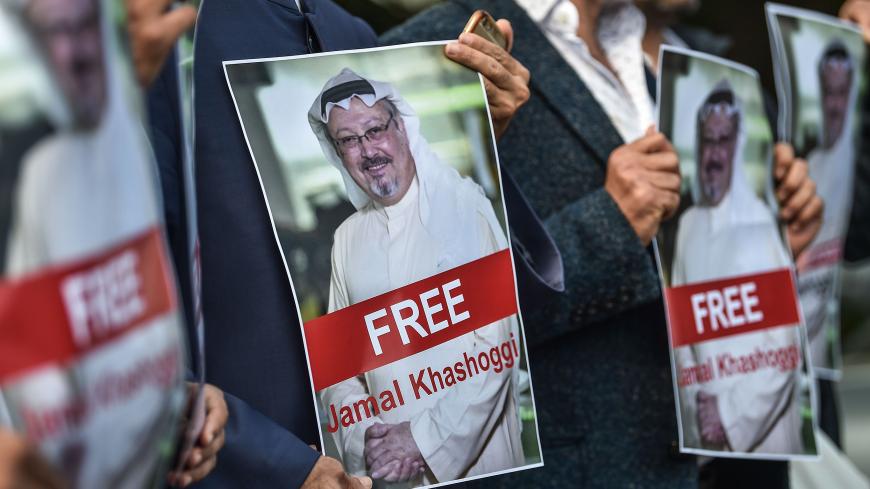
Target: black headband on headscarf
[(340, 92)]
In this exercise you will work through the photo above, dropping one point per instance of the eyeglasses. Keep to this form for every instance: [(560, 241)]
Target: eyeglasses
[(373, 135)]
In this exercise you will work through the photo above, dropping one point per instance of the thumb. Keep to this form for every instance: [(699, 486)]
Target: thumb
[(783, 156), (365, 482), (377, 430), (507, 30), (650, 130)]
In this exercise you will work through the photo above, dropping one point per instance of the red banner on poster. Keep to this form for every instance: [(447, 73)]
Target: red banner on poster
[(411, 319), (821, 255), (61, 312), (709, 310)]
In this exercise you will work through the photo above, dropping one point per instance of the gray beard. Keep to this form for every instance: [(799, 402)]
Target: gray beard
[(384, 188)]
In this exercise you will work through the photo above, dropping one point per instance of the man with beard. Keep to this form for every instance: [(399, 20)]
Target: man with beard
[(730, 231), (416, 217), (831, 165), (85, 188)]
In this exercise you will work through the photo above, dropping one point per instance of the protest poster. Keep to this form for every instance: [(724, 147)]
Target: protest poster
[(734, 322), (819, 71), (91, 345), (184, 53), (380, 173)]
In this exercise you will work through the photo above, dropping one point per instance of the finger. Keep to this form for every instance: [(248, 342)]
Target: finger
[(783, 156), (215, 446), (216, 414), (859, 13), (798, 200), (476, 60), (143, 9), (198, 473), (651, 143), (376, 430), (809, 214), (375, 454), (194, 458), (373, 443), (507, 31), (361, 482), (381, 471), (395, 474), (175, 22), (667, 181), (494, 51), (792, 181), (407, 469), (667, 161), (670, 204)]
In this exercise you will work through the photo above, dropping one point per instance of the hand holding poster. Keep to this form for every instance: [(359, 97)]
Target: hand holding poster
[(91, 353), (733, 317), (819, 67), (411, 322)]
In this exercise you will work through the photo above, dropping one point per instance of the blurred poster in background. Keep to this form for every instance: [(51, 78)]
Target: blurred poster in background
[(734, 323), (184, 55), (91, 345), (819, 67)]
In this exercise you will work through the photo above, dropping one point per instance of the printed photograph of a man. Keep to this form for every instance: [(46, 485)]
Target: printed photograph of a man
[(98, 143), (731, 231), (819, 64), (738, 393), (832, 166), (727, 212), (402, 176), (415, 217)]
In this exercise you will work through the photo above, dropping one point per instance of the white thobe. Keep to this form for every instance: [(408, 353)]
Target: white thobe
[(468, 429), (759, 410), (80, 194), (832, 170), (623, 95)]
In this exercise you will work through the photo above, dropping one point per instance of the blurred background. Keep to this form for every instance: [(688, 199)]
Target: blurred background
[(743, 23)]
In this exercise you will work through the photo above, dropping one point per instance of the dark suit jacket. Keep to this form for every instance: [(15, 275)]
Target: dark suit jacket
[(858, 239), (253, 340), (598, 352)]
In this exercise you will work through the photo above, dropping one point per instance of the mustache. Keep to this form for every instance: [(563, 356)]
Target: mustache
[(376, 161), (714, 165)]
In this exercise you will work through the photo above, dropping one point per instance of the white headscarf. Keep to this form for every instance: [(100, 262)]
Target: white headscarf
[(741, 227), (448, 201), (741, 205)]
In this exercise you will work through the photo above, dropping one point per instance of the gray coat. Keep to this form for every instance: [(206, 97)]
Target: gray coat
[(598, 352)]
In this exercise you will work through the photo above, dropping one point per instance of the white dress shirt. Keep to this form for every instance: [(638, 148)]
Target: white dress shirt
[(625, 96)]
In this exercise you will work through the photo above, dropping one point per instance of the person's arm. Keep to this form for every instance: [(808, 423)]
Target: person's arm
[(154, 26), (259, 452), (604, 237)]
